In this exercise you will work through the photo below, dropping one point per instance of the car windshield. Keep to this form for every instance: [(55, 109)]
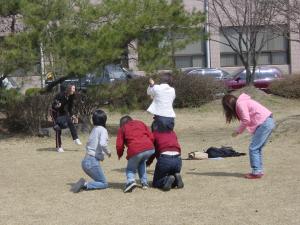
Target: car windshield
[(115, 72)]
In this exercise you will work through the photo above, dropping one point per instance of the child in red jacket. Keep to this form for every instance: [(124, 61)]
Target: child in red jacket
[(139, 141), (168, 166)]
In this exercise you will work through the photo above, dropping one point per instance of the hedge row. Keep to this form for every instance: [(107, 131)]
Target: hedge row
[(29, 112), (289, 87)]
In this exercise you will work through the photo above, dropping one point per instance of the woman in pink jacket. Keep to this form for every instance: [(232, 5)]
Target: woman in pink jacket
[(257, 119)]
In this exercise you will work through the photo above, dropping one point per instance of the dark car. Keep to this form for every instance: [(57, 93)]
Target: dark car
[(110, 73), (107, 74), (216, 73), (263, 77)]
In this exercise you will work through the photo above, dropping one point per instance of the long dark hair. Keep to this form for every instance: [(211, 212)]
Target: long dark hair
[(229, 104), (99, 118)]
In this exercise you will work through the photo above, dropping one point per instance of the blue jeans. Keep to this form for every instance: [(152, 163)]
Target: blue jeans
[(162, 123), (165, 166), (138, 162), (91, 167), (258, 141)]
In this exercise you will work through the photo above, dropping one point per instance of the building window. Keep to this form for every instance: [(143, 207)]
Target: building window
[(193, 55), (275, 51)]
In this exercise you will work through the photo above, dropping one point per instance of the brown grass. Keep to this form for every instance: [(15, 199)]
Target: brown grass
[(35, 180)]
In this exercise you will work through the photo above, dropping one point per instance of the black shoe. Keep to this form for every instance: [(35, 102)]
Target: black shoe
[(169, 182), (78, 185), (145, 186), (178, 181), (129, 187)]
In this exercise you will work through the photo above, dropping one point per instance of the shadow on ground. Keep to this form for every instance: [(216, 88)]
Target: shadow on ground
[(54, 150), (217, 174), (123, 170)]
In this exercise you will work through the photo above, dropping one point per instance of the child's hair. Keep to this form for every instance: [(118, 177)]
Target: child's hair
[(166, 78), (229, 104), (99, 118), (124, 120)]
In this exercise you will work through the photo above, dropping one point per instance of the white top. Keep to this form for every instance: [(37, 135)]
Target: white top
[(163, 97), (97, 143)]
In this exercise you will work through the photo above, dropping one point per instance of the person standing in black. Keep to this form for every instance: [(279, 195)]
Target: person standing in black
[(61, 113)]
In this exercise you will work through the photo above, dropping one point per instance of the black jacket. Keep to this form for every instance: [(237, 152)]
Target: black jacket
[(66, 104)]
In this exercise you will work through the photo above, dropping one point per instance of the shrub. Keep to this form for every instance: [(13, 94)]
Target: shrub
[(25, 113), (288, 87), (194, 91), (32, 91)]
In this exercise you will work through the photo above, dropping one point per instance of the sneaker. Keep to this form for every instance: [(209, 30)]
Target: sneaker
[(145, 186), (129, 187), (169, 182), (77, 142), (78, 185), (60, 149), (253, 176), (178, 180)]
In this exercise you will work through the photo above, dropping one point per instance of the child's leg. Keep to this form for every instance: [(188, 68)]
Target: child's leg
[(259, 139), (91, 167), (142, 165), (164, 167)]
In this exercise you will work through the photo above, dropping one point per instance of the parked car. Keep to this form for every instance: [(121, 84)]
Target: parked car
[(108, 74), (263, 77), (216, 73)]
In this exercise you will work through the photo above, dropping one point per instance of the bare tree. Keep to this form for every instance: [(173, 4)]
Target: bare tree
[(243, 26), (288, 22)]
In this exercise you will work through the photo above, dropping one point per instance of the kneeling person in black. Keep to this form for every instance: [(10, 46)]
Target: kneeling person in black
[(168, 166)]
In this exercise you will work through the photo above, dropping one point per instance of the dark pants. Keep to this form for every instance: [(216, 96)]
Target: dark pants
[(162, 123), (166, 165), (54, 115)]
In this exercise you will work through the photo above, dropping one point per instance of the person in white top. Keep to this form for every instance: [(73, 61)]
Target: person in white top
[(163, 96)]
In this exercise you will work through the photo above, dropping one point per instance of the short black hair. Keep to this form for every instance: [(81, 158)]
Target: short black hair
[(99, 118), (166, 78), (124, 120)]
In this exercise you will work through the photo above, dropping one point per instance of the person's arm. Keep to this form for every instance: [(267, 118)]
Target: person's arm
[(103, 142), (56, 104), (244, 117), (151, 90), (120, 144)]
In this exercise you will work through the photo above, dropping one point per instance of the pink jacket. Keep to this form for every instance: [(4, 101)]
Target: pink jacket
[(250, 113)]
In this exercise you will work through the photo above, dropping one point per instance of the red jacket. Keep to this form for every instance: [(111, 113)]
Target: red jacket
[(136, 136), (164, 141)]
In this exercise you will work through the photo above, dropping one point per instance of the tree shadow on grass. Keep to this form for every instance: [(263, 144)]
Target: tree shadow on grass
[(54, 150), (217, 174)]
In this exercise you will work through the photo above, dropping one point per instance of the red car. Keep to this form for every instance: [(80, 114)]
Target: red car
[(262, 78)]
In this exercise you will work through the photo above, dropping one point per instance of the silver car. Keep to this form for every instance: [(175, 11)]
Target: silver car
[(216, 73)]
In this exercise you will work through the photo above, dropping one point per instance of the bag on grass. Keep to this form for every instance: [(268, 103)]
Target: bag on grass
[(197, 155), (223, 152)]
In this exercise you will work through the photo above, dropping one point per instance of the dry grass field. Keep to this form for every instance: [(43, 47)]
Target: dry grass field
[(35, 179)]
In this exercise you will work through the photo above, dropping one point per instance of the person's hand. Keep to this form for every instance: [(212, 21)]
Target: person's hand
[(74, 119), (151, 82), (234, 134)]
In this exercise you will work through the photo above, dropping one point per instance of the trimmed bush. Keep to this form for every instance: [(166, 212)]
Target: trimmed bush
[(32, 91), (194, 91), (289, 87)]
